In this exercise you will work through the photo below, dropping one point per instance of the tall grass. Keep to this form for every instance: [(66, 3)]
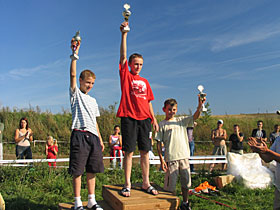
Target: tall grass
[(39, 188), (59, 125)]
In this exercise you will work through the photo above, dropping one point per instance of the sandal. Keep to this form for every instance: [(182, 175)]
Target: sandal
[(150, 190), (96, 207), (125, 190)]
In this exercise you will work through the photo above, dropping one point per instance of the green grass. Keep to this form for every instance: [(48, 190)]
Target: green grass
[(40, 188)]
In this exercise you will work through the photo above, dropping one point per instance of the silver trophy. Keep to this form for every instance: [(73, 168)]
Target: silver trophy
[(126, 13), (74, 45), (202, 96)]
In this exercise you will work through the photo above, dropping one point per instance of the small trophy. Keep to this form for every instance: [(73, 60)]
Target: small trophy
[(202, 96), (126, 13), (74, 46)]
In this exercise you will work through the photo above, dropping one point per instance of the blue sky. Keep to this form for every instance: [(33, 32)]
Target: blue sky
[(230, 47)]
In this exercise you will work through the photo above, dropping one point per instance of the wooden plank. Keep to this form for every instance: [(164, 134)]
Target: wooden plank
[(139, 200), (70, 205), (221, 181)]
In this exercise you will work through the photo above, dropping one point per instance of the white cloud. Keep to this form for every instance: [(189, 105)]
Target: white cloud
[(245, 36), (19, 73)]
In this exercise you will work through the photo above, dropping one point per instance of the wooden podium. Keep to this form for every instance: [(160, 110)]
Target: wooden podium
[(139, 200)]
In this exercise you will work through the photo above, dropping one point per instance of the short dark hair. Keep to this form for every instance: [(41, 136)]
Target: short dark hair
[(170, 101), (87, 73), (25, 119), (275, 126), (236, 125), (260, 121), (134, 55), (116, 126)]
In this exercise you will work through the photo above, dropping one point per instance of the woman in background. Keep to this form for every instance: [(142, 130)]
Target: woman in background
[(23, 137)]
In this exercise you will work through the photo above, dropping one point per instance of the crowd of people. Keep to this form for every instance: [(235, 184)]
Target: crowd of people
[(175, 134)]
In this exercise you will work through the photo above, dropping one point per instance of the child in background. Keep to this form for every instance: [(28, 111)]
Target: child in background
[(51, 150), (115, 142)]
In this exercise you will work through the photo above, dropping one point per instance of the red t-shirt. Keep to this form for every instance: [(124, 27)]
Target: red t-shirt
[(51, 154), (136, 95)]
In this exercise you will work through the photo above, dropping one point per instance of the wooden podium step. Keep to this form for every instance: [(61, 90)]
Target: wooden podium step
[(139, 200), (70, 206)]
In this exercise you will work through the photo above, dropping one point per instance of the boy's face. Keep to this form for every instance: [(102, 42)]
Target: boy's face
[(136, 66), (170, 111), (86, 84), (236, 129)]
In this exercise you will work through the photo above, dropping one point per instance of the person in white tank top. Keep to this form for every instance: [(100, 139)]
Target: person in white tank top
[(115, 142), (23, 137)]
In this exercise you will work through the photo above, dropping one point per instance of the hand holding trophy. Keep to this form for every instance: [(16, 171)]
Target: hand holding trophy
[(126, 14), (202, 96), (75, 43)]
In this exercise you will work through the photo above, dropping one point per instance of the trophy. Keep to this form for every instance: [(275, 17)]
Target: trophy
[(202, 96), (74, 45), (126, 13)]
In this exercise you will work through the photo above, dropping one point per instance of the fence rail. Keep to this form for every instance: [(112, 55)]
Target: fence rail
[(154, 161)]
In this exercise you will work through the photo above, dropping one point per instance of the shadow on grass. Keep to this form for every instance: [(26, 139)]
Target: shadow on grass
[(25, 204)]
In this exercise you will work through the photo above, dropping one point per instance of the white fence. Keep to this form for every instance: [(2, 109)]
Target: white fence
[(154, 161)]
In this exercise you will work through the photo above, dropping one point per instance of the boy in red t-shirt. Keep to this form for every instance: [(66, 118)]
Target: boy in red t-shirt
[(136, 113), (51, 150)]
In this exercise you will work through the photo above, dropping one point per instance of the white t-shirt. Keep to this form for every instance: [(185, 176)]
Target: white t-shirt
[(173, 134), (276, 148), (84, 111)]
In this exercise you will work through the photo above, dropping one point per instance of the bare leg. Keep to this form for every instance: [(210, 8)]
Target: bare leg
[(91, 183), (185, 192), (127, 171), (77, 185), (145, 165), (211, 167)]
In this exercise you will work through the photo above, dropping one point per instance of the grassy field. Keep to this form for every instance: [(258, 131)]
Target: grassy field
[(40, 188)]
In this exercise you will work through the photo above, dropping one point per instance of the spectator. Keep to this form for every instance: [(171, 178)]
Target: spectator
[(191, 142), (23, 137), (259, 133), (51, 150), (236, 140), (268, 155), (273, 135), (218, 137), (1, 139), (115, 142)]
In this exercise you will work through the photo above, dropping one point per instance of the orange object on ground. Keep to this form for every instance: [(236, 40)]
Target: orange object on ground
[(203, 186)]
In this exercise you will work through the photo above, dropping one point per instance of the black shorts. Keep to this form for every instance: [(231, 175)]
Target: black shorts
[(135, 130), (85, 152)]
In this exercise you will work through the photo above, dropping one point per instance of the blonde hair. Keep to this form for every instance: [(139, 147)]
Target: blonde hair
[(87, 73)]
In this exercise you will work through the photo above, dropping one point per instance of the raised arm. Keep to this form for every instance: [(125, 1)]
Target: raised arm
[(73, 66), (123, 48), (198, 110)]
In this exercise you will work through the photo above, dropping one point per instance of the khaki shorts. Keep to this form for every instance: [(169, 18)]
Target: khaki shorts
[(220, 150), (175, 168), (276, 205)]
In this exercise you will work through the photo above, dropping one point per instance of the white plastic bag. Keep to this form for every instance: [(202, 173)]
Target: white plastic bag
[(249, 168)]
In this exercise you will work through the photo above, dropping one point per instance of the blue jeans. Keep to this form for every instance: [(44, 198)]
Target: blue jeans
[(23, 152), (191, 145)]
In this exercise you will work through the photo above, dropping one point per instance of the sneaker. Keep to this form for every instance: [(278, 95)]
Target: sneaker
[(79, 208), (185, 206)]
